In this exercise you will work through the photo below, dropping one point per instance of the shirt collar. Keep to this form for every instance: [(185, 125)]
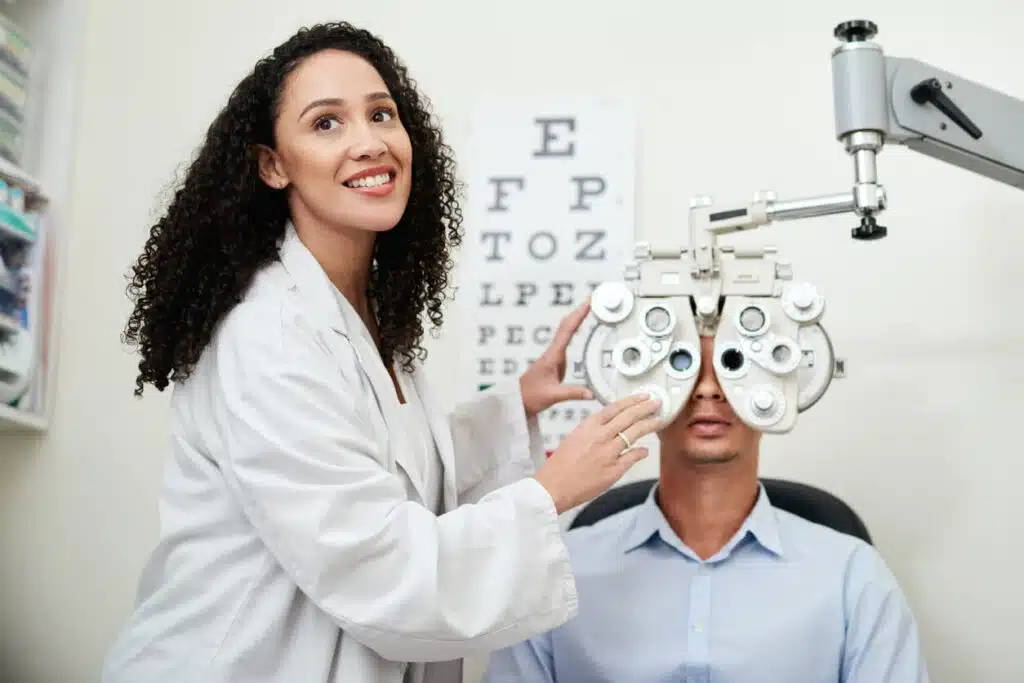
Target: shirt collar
[(761, 525)]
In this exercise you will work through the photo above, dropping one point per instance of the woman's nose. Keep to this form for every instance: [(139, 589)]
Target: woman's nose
[(367, 144)]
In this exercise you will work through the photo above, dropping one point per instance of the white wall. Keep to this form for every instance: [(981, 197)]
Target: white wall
[(733, 97)]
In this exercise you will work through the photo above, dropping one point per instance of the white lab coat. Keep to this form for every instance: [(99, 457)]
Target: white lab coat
[(295, 544)]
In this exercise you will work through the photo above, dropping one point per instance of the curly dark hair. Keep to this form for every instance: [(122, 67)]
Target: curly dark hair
[(224, 223)]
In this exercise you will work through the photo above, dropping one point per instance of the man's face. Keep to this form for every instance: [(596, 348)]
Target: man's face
[(707, 430)]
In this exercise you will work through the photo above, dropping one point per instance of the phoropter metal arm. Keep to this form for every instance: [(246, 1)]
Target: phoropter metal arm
[(881, 100)]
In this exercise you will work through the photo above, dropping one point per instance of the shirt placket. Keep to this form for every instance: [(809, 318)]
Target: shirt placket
[(698, 650)]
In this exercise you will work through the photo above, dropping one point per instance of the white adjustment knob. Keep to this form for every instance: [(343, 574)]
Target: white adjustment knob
[(611, 302), (706, 305), (763, 401), (803, 303), (804, 296), (766, 406)]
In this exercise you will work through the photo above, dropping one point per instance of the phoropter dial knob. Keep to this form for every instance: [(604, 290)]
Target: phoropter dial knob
[(855, 31)]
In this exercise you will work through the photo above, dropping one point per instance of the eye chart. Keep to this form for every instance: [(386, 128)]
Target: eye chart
[(550, 216)]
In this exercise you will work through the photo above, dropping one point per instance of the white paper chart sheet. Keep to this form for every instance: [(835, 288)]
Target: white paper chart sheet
[(550, 216)]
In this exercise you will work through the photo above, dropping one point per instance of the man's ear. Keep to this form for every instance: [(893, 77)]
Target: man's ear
[(270, 168)]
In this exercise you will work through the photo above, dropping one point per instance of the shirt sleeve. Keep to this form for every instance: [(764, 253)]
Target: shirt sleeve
[(298, 452), (494, 442), (527, 662), (882, 641)]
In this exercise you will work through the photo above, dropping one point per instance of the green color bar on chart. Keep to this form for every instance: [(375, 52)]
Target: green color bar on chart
[(484, 387)]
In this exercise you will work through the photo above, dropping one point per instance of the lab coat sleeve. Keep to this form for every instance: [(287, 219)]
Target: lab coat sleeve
[(300, 456), (882, 641), (495, 444)]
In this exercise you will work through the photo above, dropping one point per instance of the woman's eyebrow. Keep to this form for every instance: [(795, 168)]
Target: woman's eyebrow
[(339, 102)]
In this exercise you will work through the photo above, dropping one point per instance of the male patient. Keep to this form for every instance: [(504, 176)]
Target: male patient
[(707, 582)]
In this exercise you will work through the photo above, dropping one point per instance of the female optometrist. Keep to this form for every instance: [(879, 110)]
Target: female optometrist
[(321, 519)]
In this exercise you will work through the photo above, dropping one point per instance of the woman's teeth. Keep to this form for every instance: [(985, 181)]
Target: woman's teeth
[(370, 181)]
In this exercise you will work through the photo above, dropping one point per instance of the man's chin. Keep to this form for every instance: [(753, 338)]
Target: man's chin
[(710, 456)]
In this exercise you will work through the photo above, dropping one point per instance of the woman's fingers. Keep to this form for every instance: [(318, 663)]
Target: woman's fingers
[(631, 415), (606, 414), (641, 429), (568, 328), (630, 458)]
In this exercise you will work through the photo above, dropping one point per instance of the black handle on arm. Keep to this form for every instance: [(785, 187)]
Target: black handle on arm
[(869, 230), (930, 91)]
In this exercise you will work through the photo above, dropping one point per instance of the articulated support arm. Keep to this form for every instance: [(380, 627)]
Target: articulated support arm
[(881, 100)]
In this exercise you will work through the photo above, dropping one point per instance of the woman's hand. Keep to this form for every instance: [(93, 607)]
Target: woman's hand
[(542, 384), (596, 454)]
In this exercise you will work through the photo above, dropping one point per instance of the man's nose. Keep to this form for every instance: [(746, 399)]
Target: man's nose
[(707, 386)]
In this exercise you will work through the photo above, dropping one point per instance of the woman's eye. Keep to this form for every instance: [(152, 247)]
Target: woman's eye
[(382, 115), (325, 123)]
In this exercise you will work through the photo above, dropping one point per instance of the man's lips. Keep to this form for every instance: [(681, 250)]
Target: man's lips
[(708, 419), (708, 425)]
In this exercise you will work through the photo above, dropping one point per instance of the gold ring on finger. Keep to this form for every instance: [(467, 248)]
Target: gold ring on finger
[(626, 441)]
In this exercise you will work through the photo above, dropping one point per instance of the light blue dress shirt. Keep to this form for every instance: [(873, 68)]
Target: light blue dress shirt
[(785, 601)]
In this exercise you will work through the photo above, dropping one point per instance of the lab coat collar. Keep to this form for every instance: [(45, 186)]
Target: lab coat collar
[(330, 308), (316, 289)]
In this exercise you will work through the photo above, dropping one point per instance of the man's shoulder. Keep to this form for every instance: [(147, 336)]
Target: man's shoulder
[(824, 550), (814, 531), (805, 539)]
